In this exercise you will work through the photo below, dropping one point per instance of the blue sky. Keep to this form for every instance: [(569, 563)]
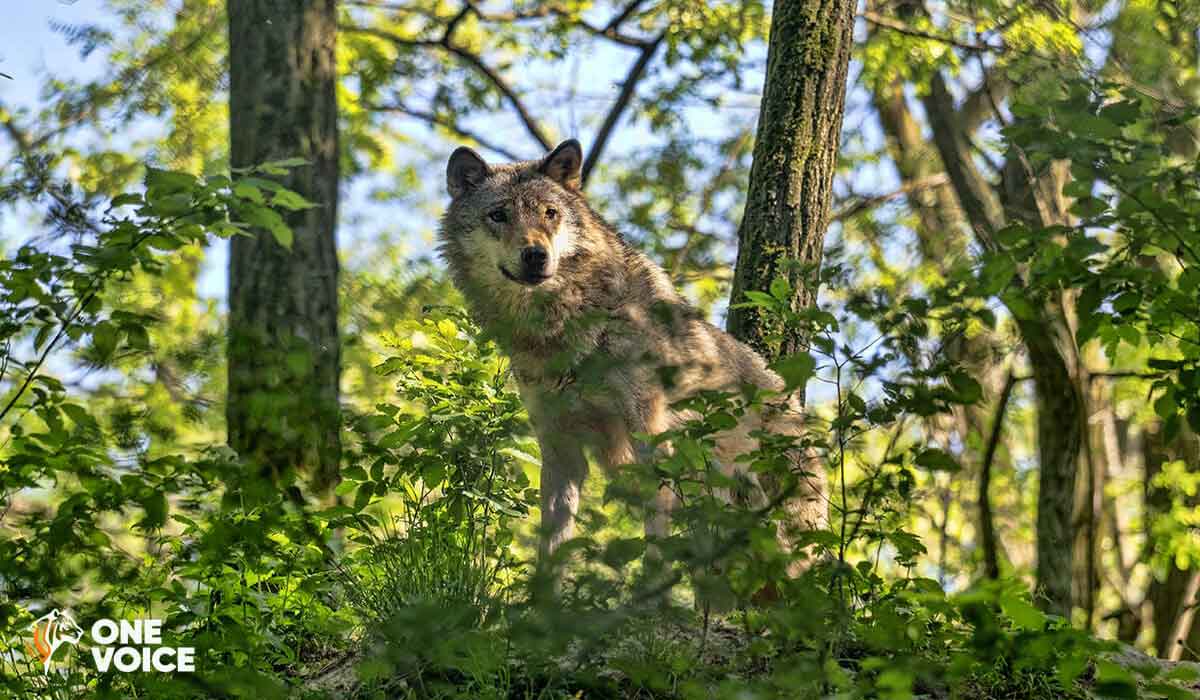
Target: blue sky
[(29, 47)]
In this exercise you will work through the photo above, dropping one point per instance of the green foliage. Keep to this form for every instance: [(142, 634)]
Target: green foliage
[(449, 459)]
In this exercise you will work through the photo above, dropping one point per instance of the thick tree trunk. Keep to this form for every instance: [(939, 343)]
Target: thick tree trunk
[(1035, 199), (787, 205), (795, 156), (284, 354)]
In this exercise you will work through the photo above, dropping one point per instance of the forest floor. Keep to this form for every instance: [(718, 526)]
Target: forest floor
[(662, 658)]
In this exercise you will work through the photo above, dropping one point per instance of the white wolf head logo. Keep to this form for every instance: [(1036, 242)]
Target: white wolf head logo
[(50, 631)]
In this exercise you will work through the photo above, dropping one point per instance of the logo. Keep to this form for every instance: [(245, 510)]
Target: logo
[(51, 631), (125, 645)]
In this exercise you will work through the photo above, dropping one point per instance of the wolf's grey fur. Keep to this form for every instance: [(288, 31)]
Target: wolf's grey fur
[(601, 343)]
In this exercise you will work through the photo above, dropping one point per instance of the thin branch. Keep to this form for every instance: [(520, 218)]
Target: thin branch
[(1123, 374), (451, 125), (472, 60), (914, 186), (623, 15), (896, 25), (608, 31), (975, 194), (531, 124), (979, 104), (987, 525), (628, 88)]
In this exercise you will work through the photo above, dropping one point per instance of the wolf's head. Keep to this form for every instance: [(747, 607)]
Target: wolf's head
[(515, 223)]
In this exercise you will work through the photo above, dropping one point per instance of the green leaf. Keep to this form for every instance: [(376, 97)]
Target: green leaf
[(1115, 681), (246, 190), (937, 460), (378, 421), (169, 181), (280, 167), (395, 438), (104, 339), (137, 337), (1023, 614), (1171, 692), (270, 220), (1165, 406), (781, 289), (129, 198), (620, 552), (291, 201), (795, 369), (966, 389)]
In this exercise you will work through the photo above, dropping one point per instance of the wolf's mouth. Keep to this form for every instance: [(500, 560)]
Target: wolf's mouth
[(528, 280)]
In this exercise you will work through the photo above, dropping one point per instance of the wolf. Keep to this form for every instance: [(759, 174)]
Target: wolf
[(600, 342)]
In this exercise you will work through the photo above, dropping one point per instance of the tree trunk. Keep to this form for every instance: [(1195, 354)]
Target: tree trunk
[(795, 156), (284, 355), (1170, 596), (787, 204), (1045, 334)]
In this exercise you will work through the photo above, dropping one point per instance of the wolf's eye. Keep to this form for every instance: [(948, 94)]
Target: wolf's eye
[(551, 212), (498, 215)]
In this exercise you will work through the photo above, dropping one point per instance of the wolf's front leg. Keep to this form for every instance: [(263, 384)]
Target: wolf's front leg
[(564, 468)]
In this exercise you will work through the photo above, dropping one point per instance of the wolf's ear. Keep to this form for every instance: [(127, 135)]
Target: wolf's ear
[(563, 164), (464, 171)]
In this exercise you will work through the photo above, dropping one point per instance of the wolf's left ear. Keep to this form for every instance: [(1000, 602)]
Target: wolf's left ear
[(464, 171), (563, 164)]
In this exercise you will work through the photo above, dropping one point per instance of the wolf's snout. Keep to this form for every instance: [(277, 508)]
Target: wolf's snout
[(534, 259)]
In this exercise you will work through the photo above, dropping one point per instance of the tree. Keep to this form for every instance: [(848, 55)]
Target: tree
[(284, 355), (795, 156), (1043, 319), (791, 184)]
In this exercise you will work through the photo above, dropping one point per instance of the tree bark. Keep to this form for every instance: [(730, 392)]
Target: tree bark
[(1035, 199), (284, 354), (1030, 198), (987, 524), (795, 156), (939, 234), (787, 204)]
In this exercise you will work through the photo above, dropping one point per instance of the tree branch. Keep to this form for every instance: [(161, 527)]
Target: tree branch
[(623, 15), (884, 22), (987, 526), (908, 188), (628, 88), (451, 125), (1177, 642), (471, 59), (975, 194)]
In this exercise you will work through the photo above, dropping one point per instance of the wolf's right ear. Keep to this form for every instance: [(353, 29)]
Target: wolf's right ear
[(563, 164), (464, 171)]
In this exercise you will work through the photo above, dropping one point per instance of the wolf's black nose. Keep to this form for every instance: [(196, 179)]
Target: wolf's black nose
[(533, 258)]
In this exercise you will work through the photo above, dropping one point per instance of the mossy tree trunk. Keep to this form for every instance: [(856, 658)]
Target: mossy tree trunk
[(787, 204), (795, 155), (284, 355)]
